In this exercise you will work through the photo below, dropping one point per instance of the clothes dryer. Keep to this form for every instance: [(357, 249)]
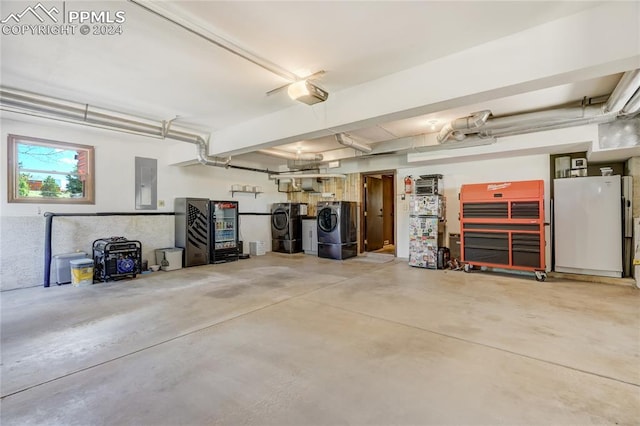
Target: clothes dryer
[(286, 227), (337, 229)]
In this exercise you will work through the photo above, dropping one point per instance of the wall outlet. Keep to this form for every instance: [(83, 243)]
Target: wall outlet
[(160, 203)]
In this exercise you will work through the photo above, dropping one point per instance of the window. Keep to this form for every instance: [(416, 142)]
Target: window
[(44, 171)]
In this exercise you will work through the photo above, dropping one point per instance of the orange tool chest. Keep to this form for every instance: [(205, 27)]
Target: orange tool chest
[(502, 226)]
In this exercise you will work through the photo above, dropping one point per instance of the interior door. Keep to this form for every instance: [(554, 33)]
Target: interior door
[(388, 208), (374, 213)]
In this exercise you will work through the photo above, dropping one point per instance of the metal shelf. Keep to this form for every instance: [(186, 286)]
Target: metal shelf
[(246, 192)]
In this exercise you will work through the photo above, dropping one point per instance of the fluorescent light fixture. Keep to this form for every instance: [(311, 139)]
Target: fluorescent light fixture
[(306, 92)]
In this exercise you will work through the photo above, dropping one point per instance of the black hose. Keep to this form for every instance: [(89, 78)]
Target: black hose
[(47, 247), (49, 226)]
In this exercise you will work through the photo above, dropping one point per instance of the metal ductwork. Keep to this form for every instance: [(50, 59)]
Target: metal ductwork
[(466, 143), (202, 155), (633, 106), (346, 140), (624, 100), (33, 104), (460, 126), (37, 105), (303, 165), (623, 92), (310, 185), (302, 161), (544, 120)]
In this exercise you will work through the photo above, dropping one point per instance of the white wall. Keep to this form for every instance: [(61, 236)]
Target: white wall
[(22, 225), (558, 52), (525, 167), (454, 175)]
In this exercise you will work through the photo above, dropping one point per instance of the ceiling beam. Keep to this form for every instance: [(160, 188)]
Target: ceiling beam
[(558, 52)]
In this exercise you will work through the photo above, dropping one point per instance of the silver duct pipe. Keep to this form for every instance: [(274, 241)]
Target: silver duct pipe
[(627, 86), (466, 143), (532, 118), (521, 130), (347, 141), (622, 101), (463, 125), (202, 146), (618, 103), (290, 155), (20, 102), (633, 106), (544, 120)]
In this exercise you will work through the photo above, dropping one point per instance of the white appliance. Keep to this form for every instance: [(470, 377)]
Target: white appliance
[(423, 241), (628, 249), (310, 236), (636, 245), (425, 212), (588, 225)]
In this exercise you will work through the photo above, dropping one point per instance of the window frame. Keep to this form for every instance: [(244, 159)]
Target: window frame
[(13, 171)]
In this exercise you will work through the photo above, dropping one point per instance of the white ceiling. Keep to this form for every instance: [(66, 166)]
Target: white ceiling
[(159, 70)]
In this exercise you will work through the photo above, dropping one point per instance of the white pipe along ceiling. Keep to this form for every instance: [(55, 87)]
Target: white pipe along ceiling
[(346, 140), (623, 102), (21, 102)]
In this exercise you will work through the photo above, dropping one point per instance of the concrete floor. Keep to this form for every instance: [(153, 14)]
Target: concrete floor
[(293, 339)]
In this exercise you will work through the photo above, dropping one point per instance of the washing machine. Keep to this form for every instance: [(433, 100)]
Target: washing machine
[(337, 231), (286, 227)]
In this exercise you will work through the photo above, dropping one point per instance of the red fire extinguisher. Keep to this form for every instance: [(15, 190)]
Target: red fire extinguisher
[(408, 185)]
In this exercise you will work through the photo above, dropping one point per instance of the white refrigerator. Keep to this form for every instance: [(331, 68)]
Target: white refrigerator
[(425, 212), (588, 225)]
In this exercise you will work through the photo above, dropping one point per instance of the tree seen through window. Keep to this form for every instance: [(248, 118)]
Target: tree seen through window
[(50, 171)]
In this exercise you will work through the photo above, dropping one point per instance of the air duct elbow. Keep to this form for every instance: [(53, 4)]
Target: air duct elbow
[(201, 149), (345, 140), (460, 126), (633, 106), (623, 92), (205, 159)]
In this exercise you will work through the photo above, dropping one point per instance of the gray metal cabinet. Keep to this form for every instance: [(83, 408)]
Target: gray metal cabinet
[(192, 229), (310, 236)]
